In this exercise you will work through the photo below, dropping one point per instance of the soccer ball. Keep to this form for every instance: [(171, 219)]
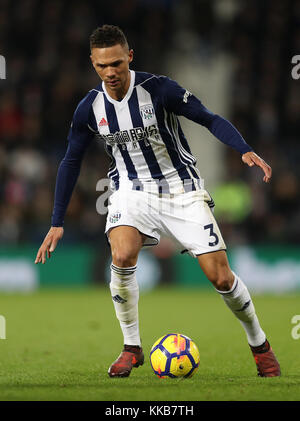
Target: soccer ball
[(174, 355)]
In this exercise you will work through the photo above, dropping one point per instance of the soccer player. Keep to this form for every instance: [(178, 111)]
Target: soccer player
[(157, 188)]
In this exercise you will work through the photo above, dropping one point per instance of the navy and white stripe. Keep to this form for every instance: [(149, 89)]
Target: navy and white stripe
[(114, 127), (164, 156), (123, 271)]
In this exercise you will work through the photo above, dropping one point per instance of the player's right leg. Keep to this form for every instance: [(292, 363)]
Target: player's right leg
[(194, 226), (126, 242)]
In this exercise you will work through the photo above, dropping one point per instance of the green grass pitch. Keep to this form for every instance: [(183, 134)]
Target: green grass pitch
[(60, 343)]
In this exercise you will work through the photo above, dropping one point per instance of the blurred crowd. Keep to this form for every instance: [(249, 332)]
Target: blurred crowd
[(265, 106), (46, 47)]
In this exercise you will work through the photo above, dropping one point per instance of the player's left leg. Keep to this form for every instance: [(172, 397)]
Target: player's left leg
[(236, 295)]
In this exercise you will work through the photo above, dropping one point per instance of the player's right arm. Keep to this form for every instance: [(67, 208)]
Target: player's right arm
[(80, 136), (49, 244)]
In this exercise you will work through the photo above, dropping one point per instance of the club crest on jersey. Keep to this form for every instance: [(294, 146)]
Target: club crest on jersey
[(147, 111), (115, 217)]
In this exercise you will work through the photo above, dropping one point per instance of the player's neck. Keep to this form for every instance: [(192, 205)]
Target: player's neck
[(119, 94)]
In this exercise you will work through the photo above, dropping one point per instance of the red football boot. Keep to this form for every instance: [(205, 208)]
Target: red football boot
[(266, 362), (131, 356)]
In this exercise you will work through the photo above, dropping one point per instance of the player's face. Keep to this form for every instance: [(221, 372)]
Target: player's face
[(112, 66)]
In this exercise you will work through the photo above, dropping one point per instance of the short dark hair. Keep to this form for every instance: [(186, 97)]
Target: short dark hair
[(107, 36)]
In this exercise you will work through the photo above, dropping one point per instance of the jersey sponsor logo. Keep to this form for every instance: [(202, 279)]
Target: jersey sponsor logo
[(186, 95), (103, 122), (147, 111), (133, 135), (119, 299), (115, 217)]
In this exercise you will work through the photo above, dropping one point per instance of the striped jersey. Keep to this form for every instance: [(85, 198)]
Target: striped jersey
[(143, 137), (142, 133)]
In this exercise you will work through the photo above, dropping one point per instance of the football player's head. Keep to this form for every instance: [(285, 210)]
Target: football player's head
[(111, 56)]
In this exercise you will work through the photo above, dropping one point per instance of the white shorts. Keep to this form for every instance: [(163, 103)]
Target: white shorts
[(185, 217)]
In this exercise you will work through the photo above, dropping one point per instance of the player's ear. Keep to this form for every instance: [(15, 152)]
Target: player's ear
[(91, 59), (130, 55)]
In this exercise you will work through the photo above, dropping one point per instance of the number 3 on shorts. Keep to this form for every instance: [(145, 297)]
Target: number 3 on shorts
[(212, 234)]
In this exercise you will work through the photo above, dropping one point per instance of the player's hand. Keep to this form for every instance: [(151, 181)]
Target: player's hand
[(252, 159), (49, 244)]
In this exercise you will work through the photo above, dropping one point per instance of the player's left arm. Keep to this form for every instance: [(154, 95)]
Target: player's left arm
[(182, 102), (251, 159)]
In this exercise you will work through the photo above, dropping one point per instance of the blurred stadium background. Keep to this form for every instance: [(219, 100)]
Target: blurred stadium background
[(234, 55)]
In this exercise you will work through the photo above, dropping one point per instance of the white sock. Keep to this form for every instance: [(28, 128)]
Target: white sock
[(239, 301), (125, 294)]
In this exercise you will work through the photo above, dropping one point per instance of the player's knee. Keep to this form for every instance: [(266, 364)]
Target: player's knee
[(223, 284), (222, 280), (124, 258)]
